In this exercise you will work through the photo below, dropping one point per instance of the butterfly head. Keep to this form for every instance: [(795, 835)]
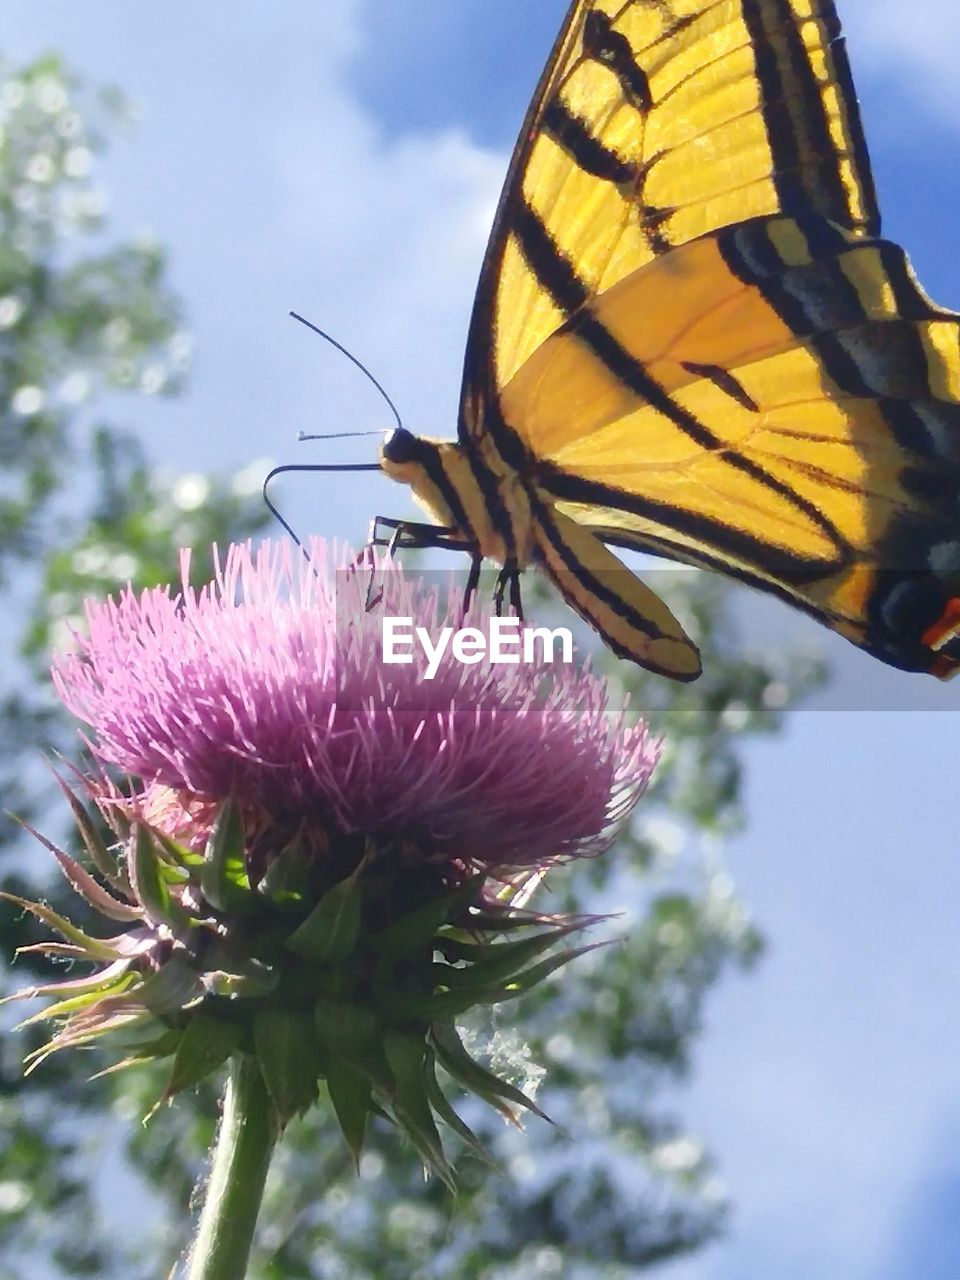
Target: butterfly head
[(401, 449), (410, 459)]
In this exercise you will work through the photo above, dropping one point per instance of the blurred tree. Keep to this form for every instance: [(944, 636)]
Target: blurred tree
[(79, 319), (80, 513), (623, 1184), (73, 323)]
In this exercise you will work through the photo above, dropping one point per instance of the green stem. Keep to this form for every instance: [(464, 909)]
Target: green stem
[(245, 1140)]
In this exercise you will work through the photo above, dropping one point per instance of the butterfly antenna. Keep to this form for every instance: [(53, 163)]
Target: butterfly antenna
[(310, 466), (353, 360), (301, 467)]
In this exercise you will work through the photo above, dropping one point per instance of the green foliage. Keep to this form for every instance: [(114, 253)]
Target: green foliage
[(72, 323), (136, 520), (81, 512)]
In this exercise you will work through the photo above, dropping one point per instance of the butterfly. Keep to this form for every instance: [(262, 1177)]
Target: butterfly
[(689, 339)]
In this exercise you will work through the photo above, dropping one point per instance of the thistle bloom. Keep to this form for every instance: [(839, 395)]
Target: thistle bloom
[(270, 684), (317, 862)]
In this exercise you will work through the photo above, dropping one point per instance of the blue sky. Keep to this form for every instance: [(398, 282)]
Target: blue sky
[(345, 160)]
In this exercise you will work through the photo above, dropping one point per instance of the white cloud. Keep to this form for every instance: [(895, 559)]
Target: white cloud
[(275, 188), (376, 235), (917, 45), (392, 232)]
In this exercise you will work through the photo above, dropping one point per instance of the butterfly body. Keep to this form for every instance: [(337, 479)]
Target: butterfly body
[(689, 339), (478, 502)]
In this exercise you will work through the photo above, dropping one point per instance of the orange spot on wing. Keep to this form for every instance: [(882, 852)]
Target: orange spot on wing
[(946, 628)]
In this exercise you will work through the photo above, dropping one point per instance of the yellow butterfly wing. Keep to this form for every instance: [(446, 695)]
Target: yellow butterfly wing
[(655, 122), (667, 360), (792, 418)]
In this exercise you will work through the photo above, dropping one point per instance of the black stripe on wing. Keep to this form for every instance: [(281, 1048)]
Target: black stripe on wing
[(632, 373), (724, 381), (866, 356), (807, 168), (612, 49), (589, 582), (554, 271), (584, 148), (734, 543)]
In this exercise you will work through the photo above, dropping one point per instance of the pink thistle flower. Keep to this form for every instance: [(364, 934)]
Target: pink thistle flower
[(269, 684), (322, 859)]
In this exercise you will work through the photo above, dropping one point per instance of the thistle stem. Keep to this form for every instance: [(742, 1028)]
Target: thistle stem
[(247, 1135)]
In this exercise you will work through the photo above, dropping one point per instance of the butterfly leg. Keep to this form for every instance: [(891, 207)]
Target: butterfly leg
[(376, 538), (379, 538), (515, 600), (473, 581), (411, 535), (509, 574), (396, 535)]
